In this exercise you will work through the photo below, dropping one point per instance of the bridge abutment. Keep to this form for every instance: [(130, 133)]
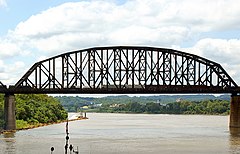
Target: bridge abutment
[(235, 111), (9, 112)]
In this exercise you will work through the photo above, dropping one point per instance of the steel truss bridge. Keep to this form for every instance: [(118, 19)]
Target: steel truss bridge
[(125, 69)]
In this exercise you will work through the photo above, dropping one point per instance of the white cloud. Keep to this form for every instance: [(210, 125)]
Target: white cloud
[(149, 36), (2, 67), (11, 73), (3, 3), (164, 23), (222, 51), (8, 49), (93, 23)]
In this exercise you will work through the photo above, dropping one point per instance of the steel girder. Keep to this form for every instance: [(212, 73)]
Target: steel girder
[(3, 88), (126, 69)]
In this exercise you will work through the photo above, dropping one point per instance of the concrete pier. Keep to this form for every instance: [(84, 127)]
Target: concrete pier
[(9, 112), (235, 111)]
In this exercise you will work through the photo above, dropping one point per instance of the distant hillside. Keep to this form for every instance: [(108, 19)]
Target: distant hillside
[(72, 103)]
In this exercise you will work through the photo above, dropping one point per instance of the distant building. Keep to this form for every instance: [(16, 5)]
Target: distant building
[(97, 105), (85, 107), (114, 105), (179, 100)]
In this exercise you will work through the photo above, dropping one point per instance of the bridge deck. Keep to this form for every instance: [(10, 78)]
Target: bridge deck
[(148, 89)]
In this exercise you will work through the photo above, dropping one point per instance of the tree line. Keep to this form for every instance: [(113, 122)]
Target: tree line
[(74, 103), (221, 107), (32, 109)]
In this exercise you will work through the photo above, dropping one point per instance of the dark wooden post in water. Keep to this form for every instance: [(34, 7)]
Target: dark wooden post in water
[(235, 111), (9, 112)]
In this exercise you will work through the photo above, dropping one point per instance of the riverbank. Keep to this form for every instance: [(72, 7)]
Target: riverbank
[(52, 123), (32, 126)]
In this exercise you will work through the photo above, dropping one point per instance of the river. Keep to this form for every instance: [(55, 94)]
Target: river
[(108, 133)]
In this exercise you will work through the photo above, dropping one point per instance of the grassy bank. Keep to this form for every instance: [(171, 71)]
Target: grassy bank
[(23, 125)]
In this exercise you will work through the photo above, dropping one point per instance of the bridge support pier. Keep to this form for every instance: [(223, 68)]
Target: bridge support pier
[(9, 112), (235, 112)]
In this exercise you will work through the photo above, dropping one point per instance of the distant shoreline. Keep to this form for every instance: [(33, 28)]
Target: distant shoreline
[(159, 113)]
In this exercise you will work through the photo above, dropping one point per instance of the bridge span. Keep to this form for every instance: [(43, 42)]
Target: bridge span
[(124, 69)]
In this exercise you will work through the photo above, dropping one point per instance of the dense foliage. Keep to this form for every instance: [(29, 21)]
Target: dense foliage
[(184, 107), (73, 104), (34, 109)]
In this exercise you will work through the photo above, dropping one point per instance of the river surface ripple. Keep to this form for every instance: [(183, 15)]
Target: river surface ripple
[(108, 133)]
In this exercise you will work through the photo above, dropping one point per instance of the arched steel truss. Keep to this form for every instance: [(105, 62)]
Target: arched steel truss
[(126, 69)]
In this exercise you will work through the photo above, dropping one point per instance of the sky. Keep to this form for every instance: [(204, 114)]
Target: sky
[(31, 31)]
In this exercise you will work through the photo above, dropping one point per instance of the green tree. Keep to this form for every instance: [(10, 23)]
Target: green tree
[(152, 107), (39, 108), (134, 107)]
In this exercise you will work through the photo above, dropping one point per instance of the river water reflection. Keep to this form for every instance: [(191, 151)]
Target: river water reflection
[(111, 133)]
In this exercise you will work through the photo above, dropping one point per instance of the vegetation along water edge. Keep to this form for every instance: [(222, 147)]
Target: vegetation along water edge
[(162, 104), (35, 110)]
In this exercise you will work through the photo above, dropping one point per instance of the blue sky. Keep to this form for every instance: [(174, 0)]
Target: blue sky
[(34, 30)]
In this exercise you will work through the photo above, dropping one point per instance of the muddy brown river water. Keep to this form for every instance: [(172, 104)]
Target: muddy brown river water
[(108, 133)]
